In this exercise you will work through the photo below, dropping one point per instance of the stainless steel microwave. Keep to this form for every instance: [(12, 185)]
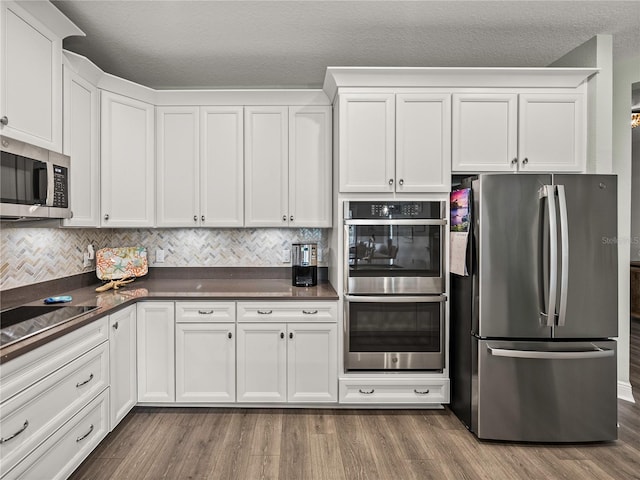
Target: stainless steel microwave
[(34, 182)]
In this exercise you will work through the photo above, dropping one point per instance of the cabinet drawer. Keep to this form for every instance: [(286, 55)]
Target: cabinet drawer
[(61, 453), (203, 312), (31, 416), (27, 369), (416, 391), (287, 311)]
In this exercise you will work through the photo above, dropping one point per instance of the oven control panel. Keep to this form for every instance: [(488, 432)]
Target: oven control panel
[(393, 210)]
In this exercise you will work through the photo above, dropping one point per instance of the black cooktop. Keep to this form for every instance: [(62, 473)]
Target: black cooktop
[(22, 322)]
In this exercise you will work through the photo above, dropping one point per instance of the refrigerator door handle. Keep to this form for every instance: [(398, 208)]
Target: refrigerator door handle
[(548, 318), (564, 245), (551, 355)]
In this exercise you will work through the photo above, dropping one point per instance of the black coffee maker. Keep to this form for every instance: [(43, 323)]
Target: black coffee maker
[(304, 269)]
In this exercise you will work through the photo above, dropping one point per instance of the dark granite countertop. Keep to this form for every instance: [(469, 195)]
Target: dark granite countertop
[(167, 289)]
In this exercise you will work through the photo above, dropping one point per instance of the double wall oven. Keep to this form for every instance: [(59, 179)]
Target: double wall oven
[(394, 285)]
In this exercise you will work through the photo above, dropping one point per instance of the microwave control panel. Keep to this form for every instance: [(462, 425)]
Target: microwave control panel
[(393, 210)]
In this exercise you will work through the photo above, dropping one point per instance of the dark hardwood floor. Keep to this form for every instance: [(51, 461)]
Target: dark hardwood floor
[(247, 444)]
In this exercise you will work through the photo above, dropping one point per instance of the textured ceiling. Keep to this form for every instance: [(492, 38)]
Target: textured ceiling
[(272, 44)]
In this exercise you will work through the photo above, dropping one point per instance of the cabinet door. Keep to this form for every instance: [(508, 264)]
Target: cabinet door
[(266, 167), (552, 133), (178, 200), (155, 340), (221, 166), (122, 362), (310, 166), (205, 362), (367, 143), (485, 132), (423, 143), (81, 134), (31, 76), (262, 362), (127, 162), (312, 362)]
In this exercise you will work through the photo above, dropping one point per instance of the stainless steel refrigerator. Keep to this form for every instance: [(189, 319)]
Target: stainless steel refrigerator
[(532, 351)]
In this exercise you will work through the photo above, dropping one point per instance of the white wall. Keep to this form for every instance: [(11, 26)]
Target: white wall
[(625, 73)]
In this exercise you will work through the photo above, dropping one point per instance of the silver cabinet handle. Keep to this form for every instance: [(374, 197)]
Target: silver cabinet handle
[(423, 392), (4, 120), (265, 312), (401, 182), (525, 161), (205, 312), (195, 218), (514, 161), (366, 392), (79, 439), (79, 384), (24, 427), (106, 216), (310, 312), (230, 335), (391, 181), (284, 218), (281, 334), (115, 326)]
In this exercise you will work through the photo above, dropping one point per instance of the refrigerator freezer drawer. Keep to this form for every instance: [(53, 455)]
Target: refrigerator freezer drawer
[(545, 391)]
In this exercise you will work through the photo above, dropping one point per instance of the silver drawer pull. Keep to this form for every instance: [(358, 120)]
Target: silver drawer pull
[(24, 427), (309, 312), (79, 439), (265, 312), (79, 384), (424, 392), (205, 312), (364, 392)]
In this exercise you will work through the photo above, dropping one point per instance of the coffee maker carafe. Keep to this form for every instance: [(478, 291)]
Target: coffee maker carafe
[(304, 269)]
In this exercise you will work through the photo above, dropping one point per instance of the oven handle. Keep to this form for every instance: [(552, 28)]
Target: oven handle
[(396, 299), (401, 222)]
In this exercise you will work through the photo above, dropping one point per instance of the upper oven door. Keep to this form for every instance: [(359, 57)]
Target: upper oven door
[(394, 256)]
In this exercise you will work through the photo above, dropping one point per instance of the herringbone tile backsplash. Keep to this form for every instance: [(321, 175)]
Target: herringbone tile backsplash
[(32, 255)]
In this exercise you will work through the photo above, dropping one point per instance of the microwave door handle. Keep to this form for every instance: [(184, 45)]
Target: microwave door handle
[(547, 318), (564, 245), (50, 184)]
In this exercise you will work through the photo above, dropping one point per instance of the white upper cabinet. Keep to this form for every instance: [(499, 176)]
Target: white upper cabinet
[(552, 132), (221, 166), (366, 148), (30, 79), (485, 132), (81, 140), (310, 166), (395, 142), (519, 132), (288, 166), (127, 162), (266, 166), (423, 142), (177, 166)]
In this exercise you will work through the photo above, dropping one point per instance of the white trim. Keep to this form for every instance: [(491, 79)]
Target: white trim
[(367, 77), (54, 19), (625, 392)]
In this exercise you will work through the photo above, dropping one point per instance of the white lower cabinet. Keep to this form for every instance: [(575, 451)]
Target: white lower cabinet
[(386, 391), (290, 355), (205, 352), (65, 450), (122, 362), (156, 352)]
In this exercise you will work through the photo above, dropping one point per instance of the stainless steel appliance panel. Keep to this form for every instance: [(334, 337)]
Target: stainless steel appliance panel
[(507, 212), (590, 284), (545, 391)]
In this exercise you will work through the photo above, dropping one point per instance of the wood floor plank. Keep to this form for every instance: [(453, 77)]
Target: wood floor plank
[(295, 454), (263, 467), (357, 457), (233, 460), (326, 460), (268, 433)]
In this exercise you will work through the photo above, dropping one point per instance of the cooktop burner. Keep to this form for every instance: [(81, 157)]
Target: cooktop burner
[(22, 322)]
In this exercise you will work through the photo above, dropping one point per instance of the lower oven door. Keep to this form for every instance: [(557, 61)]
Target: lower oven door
[(394, 332)]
